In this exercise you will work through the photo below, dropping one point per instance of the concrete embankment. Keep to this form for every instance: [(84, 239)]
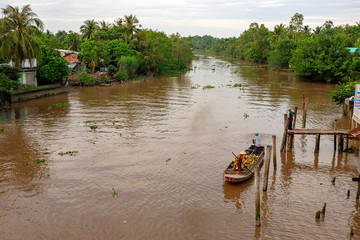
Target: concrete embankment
[(38, 94)]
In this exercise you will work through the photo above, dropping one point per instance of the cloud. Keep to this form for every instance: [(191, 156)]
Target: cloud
[(270, 4)]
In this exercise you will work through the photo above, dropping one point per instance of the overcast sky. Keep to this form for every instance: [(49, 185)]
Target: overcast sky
[(219, 18)]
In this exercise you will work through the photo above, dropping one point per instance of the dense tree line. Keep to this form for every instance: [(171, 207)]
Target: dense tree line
[(123, 46), (320, 54)]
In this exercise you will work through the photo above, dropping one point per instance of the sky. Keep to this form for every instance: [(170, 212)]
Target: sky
[(218, 18)]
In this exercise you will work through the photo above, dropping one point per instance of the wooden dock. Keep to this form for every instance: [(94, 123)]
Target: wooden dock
[(318, 131)]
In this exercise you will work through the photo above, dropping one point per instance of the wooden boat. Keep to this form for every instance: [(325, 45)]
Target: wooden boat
[(251, 160)]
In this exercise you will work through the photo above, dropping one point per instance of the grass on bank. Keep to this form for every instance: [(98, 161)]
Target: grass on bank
[(34, 89)]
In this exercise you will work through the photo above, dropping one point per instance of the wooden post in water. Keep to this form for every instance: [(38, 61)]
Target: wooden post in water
[(295, 114), (341, 144), (335, 126), (283, 143), (267, 166), (304, 110), (317, 143), (289, 142), (291, 136), (358, 190), (257, 196), (274, 150)]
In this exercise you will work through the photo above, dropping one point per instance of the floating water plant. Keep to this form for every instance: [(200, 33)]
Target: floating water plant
[(195, 87), (119, 127), (208, 86), (237, 85), (39, 161), (114, 192), (62, 105), (246, 116), (93, 127), (2, 130), (70, 153), (168, 160)]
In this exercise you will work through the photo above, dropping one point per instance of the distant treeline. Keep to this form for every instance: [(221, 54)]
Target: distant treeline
[(320, 53)]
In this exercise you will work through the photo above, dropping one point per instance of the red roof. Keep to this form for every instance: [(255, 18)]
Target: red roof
[(355, 132)]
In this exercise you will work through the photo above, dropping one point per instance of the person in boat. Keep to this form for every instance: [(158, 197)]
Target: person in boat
[(257, 143), (290, 118), (239, 160)]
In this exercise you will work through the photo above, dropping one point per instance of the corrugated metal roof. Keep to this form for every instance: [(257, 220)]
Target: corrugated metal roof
[(355, 132), (352, 49)]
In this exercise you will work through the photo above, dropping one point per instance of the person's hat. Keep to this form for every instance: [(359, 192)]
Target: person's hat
[(242, 152), (256, 134)]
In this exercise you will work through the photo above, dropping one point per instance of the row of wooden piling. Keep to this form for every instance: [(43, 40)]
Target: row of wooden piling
[(266, 177), (338, 143)]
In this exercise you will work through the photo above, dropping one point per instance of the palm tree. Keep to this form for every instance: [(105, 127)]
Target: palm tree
[(17, 33), (73, 41), (279, 30), (88, 29), (104, 25), (118, 22), (307, 30), (131, 24)]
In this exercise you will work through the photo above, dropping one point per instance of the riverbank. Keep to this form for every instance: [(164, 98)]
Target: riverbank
[(36, 92)]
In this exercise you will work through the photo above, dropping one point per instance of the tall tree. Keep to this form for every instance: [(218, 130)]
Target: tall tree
[(17, 34), (88, 28), (72, 41), (296, 25), (104, 25), (131, 24)]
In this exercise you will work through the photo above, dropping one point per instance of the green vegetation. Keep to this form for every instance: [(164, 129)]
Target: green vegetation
[(8, 81), (319, 54), (123, 49), (2, 130), (62, 105), (343, 91), (93, 127), (85, 79), (17, 34), (70, 153), (121, 76), (114, 192), (52, 66), (26, 88), (208, 86), (39, 161)]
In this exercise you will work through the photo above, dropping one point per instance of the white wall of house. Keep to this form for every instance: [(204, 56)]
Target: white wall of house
[(29, 78)]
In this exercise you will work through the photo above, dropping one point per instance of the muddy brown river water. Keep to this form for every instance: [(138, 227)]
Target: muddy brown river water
[(152, 168)]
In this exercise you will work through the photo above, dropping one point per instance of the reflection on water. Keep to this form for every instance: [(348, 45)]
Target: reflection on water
[(232, 193), (162, 145)]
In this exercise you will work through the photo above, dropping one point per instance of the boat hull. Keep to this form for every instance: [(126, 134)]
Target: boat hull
[(233, 176)]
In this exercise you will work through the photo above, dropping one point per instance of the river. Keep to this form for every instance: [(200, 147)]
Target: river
[(145, 160)]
